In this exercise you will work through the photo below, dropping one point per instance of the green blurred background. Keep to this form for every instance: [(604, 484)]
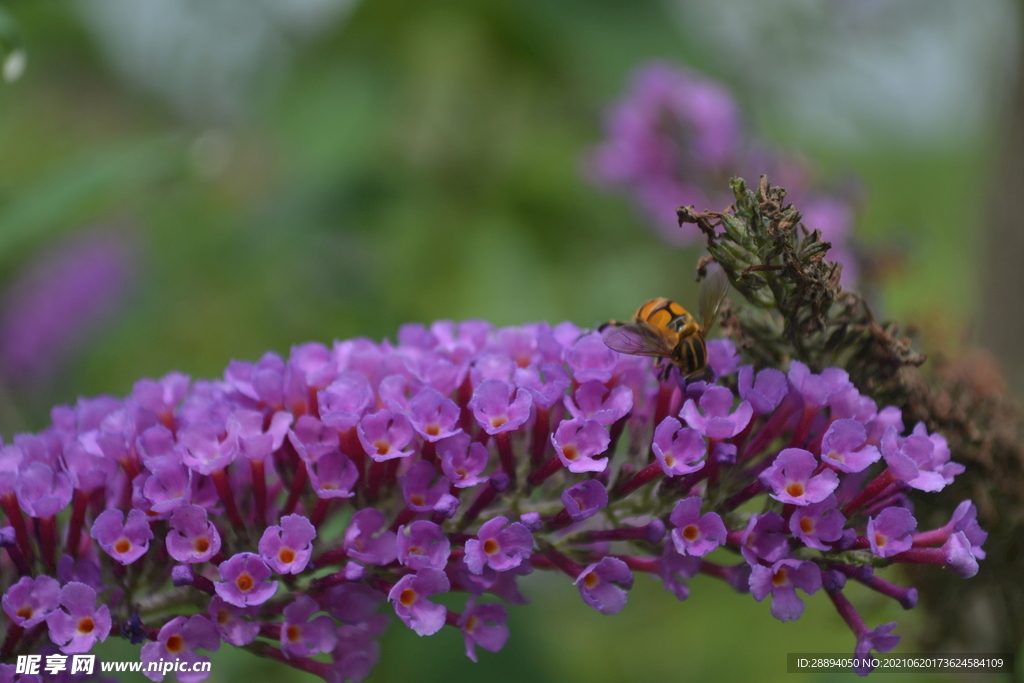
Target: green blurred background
[(293, 170)]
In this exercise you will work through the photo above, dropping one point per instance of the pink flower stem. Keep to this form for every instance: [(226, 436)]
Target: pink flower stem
[(259, 490), (13, 636), (541, 437), (552, 465), (508, 459), (316, 518), (17, 520), (223, 486), (876, 486), (428, 452), (79, 505), (644, 476), (48, 542)]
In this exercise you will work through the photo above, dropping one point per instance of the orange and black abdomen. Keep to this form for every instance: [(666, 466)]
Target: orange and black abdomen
[(691, 354), (665, 314)]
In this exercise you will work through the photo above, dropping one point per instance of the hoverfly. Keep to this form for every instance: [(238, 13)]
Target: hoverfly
[(665, 330)]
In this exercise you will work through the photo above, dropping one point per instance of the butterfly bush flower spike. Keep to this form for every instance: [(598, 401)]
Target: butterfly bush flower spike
[(291, 505)]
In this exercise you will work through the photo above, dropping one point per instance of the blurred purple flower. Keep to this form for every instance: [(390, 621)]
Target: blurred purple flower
[(60, 298)]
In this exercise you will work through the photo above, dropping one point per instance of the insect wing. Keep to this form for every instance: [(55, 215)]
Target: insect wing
[(712, 291), (638, 339)]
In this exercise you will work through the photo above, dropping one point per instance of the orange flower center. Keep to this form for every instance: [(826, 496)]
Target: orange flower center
[(795, 489), (417, 499), (570, 452), (244, 582), (471, 623), (880, 540), (408, 597), (175, 644), (85, 625), (780, 578), (832, 455), (591, 580), (286, 555), (806, 525), (26, 612), (201, 544), (293, 633), (122, 546), (498, 421), (432, 430), (222, 617), (691, 532), (669, 460), (491, 546), (382, 447)]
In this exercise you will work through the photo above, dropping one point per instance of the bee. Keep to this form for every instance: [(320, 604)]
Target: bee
[(663, 329)]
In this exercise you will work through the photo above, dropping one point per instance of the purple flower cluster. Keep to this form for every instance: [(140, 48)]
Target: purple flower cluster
[(300, 499), (676, 137)]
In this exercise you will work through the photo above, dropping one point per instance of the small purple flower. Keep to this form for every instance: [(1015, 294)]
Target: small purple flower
[(890, 532), (124, 541), (244, 580), (384, 435), (42, 492), (410, 595), (696, 534), (192, 538), (722, 357), (817, 389), (781, 580), (922, 460), (287, 548), (301, 637), (596, 402), (312, 438), (461, 461), (839, 447), (78, 626), (333, 476), (792, 480), (818, 524), (603, 585), (178, 640), (228, 619), (433, 416), (589, 359), (483, 625), (766, 392), (494, 409), (422, 494), (674, 569), (168, 487), (764, 538), (368, 540), (206, 449), (577, 442), (584, 499), (879, 639), (717, 422), (959, 556), (546, 389), (30, 601), (343, 403), (679, 450), (498, 547), (423, 545), (496, 366)]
